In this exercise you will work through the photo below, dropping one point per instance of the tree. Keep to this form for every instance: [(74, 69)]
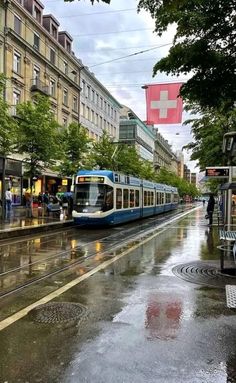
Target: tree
[(184, 187), (8, 140), (203, 46), (75, 147), (208, 132), (38, 135), (103, 152)]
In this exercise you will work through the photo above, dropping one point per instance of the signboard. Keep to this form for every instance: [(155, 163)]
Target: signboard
[(64, 182), (92, 179), (217, 172)]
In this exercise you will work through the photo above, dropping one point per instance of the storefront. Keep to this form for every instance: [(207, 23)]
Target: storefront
[(13, 179)]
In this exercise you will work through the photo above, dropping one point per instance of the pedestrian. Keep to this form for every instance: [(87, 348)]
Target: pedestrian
[(28, 205), (8, 197), (210, 208), (203, 202)]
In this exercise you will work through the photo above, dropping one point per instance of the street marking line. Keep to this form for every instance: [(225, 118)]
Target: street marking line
[(22, 313)]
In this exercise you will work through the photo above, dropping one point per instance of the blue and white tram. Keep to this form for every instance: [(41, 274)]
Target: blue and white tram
[(104, 197)]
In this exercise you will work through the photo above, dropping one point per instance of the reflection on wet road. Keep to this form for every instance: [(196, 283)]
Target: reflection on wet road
[(142, 323)]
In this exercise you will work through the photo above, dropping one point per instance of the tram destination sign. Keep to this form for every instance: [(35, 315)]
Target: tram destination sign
[(91, 179), (217, 172)]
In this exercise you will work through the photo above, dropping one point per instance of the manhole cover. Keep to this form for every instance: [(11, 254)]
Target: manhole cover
[(204, 273), (58, 312)]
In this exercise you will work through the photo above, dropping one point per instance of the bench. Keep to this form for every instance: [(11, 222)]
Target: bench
[(229, 239)]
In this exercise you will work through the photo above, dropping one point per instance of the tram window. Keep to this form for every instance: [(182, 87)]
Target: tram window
[(149, 198), (136, 198), (176, 198), (145, 200), (125, 198), (152, 198), (162, 198), (131, 198), (119, 198), (158, 198), (168, 197), (108, 205)]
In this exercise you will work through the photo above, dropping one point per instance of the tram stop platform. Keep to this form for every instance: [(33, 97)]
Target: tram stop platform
[(18, 224)]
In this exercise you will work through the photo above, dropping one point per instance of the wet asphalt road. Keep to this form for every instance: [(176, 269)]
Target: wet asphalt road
[(141, 323)]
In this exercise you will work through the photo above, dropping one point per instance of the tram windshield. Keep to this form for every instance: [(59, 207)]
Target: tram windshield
[(93, 197)]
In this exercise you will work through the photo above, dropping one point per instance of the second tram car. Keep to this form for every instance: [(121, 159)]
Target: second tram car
[(105, 197)]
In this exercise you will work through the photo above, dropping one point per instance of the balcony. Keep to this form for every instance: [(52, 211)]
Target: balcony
[(39, 86)]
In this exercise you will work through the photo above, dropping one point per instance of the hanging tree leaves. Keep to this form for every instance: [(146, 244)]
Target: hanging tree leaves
[(204, 47)]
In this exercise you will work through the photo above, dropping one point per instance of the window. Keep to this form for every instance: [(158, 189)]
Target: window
[(125, 198), (65, 67), (17, 62), (83, 109), (96, 119), (100, 122), (118, 198), (83, 86), (64, 122), (88, 91), (93, 95), (52, 56), (145, 198), (16, 97), (36, 75), (75, 104), (16, 100), (131, 198), (37, 14), (36, 41), (97, 98), (65, 96), (92, 115), (87, 113), (105, 106), (101, 102), (54, 31), (52, 87), (68, 46), (17, 25), (136, 198)]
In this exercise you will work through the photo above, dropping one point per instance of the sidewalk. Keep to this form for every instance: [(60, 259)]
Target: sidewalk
[(18, 224)]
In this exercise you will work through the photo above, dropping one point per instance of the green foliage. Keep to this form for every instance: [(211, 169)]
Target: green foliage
[(75, 147), (184, 187), (37, 135), (208, 132), (103, 153), (204, 47), (8, 126)]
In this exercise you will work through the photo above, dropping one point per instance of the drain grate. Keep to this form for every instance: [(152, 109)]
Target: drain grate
[(204, 273), (58, 312), (231, 296)]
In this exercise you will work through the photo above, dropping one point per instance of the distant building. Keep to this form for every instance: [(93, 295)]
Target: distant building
[(134, 131)]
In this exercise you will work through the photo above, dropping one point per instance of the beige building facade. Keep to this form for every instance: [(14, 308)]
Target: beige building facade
[(36, 56)]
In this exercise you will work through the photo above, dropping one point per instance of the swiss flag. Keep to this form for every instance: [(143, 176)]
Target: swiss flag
[(163, 104)]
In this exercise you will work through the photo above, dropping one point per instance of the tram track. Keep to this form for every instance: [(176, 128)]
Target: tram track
[(112, 242)]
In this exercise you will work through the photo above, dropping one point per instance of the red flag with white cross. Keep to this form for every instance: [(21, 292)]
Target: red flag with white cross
[(164, 106)]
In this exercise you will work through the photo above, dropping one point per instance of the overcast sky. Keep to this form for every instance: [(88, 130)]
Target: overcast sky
[(103, 33)]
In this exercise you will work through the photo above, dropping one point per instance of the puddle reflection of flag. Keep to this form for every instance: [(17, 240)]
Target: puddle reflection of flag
[(163, 318)]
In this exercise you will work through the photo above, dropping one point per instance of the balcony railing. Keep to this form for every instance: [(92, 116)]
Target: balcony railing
[(39, 86)]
